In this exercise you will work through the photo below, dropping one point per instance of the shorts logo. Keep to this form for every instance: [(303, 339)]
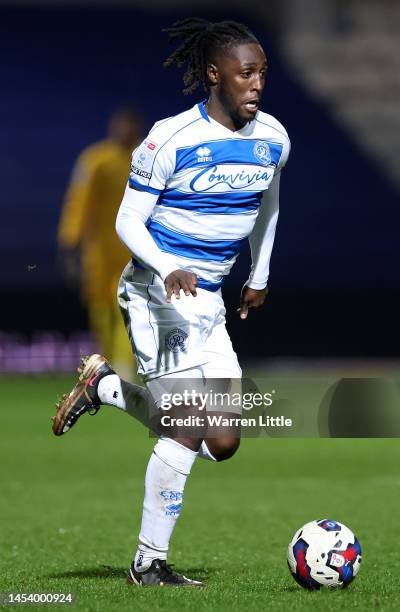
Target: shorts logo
[(175, 340), (262, 152), (150, 145)]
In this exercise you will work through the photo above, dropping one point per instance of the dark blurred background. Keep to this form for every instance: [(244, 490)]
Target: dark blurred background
[(334, 83)]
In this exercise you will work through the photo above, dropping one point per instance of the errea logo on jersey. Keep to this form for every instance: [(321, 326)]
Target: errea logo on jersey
[(203, 155)]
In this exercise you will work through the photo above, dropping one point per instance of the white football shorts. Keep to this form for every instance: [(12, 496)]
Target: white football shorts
[(177, 339)]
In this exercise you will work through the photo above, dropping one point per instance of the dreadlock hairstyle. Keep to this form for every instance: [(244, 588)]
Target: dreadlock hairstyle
[(199, 40)]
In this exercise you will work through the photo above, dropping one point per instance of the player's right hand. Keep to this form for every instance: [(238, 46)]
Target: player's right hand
[(180, 280)]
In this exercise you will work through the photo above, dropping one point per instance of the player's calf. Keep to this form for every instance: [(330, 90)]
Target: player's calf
[(224, 447)]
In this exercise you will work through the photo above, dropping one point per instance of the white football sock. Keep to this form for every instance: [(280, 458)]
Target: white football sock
[(167, 471), (133, 399)]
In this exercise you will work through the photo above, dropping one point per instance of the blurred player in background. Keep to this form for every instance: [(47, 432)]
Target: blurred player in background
[(91, 254), (201, 183)]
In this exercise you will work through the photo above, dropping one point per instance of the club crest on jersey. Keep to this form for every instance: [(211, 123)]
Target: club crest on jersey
[(176, 340), (262, 152), (203, 155)]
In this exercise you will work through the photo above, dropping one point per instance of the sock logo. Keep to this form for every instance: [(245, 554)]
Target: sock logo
[(173, 501), (171, 495), (115, 394), (173, 509)]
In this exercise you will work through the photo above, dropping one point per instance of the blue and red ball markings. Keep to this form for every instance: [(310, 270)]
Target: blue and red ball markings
[(346, 572), (303, 571), (329, 525)]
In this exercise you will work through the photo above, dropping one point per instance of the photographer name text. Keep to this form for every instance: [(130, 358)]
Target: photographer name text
[(217, 420)]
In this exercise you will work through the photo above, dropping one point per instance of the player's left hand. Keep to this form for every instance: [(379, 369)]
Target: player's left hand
[(251, 298)]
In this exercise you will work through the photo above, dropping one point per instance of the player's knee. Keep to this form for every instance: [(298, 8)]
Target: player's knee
[(225, 448)]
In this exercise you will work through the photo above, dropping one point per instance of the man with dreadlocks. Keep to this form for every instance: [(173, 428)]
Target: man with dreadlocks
[(201, 183)]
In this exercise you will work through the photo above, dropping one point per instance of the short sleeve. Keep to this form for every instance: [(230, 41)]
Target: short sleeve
[(152, 165), (284, 155)]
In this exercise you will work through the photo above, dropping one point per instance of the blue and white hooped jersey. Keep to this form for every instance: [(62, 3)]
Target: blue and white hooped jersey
[(209, 181)]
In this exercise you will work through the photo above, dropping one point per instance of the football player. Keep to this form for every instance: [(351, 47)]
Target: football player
[(201, 183)]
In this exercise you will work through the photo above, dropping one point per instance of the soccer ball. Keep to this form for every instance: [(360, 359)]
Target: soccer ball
[(324, 553)]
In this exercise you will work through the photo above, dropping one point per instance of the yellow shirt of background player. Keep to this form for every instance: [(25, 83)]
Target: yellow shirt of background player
[(88, 217)]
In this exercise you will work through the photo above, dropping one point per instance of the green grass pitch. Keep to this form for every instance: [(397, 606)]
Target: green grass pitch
[(70, 513)]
